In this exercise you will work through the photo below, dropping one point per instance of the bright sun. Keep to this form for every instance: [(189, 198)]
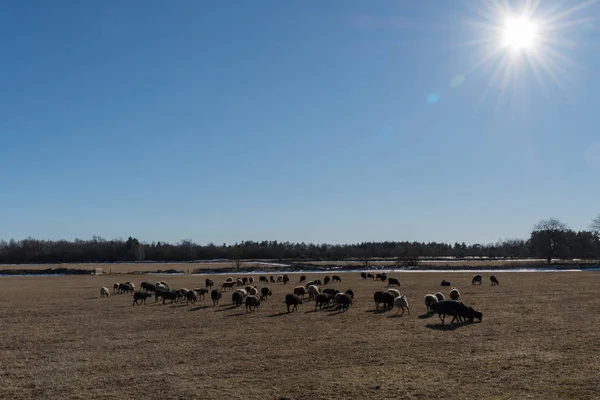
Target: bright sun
[(519, 34)]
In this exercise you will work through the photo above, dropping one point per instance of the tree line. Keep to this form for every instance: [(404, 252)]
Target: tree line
[(549, 239)]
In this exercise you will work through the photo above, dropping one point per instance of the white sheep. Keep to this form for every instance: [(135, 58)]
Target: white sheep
[(401, 303), (160, 286), (394, 292), (240, 282), (440, 296), (132, 285), (454, 294), (429, 300), (104, 292), (313, 291), (251, 279), (243, 292)]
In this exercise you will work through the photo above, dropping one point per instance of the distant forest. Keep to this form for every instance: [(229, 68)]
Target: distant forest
[(549, 239)]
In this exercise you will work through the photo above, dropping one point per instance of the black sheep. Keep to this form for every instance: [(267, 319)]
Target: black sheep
[(215, 295), (322, 299), (302, 278), (237, 298), (263, 279), (445, 283), (140, 296), (209, 283), (272, 279), (494, 280), (265, 292), (148, 287), (191, 296), (292, 300), (393, 282), (252, 303), (449, 307), (476, 280), (326, 280), (363, 275), (330, 291), (343, 301), (383, 297), (350, 293), (286, 279), (336, 278), (370, 276)]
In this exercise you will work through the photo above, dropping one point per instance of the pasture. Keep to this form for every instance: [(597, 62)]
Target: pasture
[(539, 338)]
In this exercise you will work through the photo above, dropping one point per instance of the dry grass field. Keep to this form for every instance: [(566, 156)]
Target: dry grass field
[(539, 338)]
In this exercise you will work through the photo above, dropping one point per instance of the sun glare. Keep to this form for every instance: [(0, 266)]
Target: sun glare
[(519, 34)]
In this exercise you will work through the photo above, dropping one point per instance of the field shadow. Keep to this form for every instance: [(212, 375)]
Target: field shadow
[(199, 308), (376, 311), (228, 308), (278, 314), (425, 316), (178, 305), (237, 314), (445, 327)]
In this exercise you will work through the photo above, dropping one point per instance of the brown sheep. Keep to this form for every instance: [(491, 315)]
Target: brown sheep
[(300, 291)]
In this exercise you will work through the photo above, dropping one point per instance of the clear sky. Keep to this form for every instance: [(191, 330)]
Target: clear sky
[(319, 121)]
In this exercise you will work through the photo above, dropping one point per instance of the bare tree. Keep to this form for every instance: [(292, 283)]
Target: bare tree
[(547, 237), (595, 225)]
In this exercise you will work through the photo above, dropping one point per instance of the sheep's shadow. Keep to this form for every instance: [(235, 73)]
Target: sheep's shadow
[(227, 309), (425, 316), (311, 311), (237, 314), (278, 314), (199, 308), (178, 305), (331, 314), (445, 327), (378, 311)]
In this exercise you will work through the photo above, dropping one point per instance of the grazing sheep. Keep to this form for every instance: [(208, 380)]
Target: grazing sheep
[(251, 279), (292, 300), (429, 300), (330, 291), (116, 287), (245, 280), (209, 283), (279, 278), (378, 277), (311, 283), (322, 299), (343, 301), (350, 293), (252, 303), (363, 275), (445, 283), (300, 291), (243, 292), (394, 292), (454, 294), (440, 296), (124, 288), (148, 287), (313, 291), (201, 292), (140, 296), (265, 293), (448, 307), (104, 292), (239, 282), (160, 286), (384, 277), (336, 278), (370, 276), (253, 291), (401, 303), (230, 279), (263, 279), (172, 295), (302, 278), (326, 280), (494, 280), (131, 285), (237, 298), (215, 295), (191, 296), (476, 280), (227, 285), (164, 284), (272, 279), (383, 297), (286, 279), (470, 313), (393, 282)]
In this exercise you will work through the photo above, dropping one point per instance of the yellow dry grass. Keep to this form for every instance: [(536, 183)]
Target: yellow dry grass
[(539, 339)]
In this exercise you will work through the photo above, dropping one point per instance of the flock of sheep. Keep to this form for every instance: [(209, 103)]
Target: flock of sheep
[(244, 292)]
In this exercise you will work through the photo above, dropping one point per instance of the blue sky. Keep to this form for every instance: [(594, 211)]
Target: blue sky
[(337, 121)]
